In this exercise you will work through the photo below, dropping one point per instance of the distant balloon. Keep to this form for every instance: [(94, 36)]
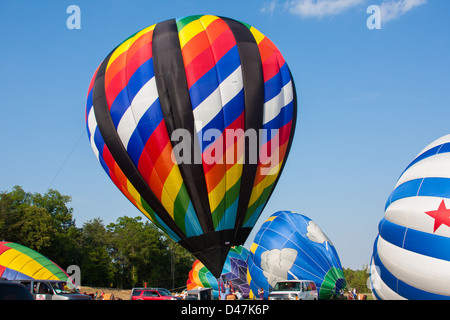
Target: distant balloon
[(192, 119), (291, 246), (18, 262), (411, 254), (234, 271)]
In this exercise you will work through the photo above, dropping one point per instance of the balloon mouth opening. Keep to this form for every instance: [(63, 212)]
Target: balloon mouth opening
[(214, 258)]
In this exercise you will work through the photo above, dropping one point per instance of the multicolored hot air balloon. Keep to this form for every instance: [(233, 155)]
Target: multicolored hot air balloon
[(234, 271), (21, 263), (411, 254), (193, 119), (291, 246)]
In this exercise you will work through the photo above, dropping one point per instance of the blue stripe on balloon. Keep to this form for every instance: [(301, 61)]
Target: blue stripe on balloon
[(422, 187), (206, 85), (281, 119), (403, 289), (89, 106), (272, 87), (229, 217), (230, 112), (233, 108), (12, 274), (123, 100), (420, 242), (442, 148), (192, 224), (140, 77), (146, 126)]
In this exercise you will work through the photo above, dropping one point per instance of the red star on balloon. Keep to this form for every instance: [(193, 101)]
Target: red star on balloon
[(441, 216)]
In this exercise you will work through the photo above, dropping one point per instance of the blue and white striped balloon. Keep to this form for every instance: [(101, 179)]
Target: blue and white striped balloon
[(411, 255)]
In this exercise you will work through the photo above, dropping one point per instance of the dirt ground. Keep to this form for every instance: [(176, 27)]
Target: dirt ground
[(108, 292), (121, 294)]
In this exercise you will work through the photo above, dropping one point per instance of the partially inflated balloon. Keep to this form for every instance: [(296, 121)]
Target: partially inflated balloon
[(193, 119), (18, 262), (411, 255), (234, 271), (291, 246)]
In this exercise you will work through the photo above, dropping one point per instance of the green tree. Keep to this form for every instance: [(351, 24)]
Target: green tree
[(95, 263), (126, 253), (357, 279), (181, 262), (36, 228), (136, 249), (23, 222), (56, 205), (40, 222)]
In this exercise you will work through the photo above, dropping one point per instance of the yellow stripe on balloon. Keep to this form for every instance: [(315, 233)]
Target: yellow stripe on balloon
[(117, 52), (44, 274), (257, 35), (194, 27), (253, 248), (216, 195), (207, 19), (124, 46), (20, 262), (133, 193), (171, 188), (260, 187)]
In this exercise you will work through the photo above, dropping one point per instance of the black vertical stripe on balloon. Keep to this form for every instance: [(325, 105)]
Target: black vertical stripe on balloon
[(253, 80), (120, 154), (177, 110)]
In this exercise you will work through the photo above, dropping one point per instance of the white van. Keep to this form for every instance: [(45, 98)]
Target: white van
[(294, 290)]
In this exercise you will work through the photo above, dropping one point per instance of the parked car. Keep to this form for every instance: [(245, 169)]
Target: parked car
[(52, 290), (165, 292), (150, 294), (294, 290), (13, 291)]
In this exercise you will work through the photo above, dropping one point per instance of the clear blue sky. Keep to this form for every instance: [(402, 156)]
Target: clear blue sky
[(368, 100)]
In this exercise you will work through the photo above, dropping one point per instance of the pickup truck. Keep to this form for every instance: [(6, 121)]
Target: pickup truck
[(52, 290)]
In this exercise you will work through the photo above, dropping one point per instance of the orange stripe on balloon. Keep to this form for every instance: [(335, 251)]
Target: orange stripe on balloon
[(115, 86), (139, 53), (283, 135)]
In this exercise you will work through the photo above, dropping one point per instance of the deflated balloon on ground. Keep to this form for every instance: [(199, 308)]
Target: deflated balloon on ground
[(290, 246), (18, 262)]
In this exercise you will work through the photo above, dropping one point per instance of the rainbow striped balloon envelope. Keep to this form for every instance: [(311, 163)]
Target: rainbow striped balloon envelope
[(192, 119), (411, 255), (21, 263)]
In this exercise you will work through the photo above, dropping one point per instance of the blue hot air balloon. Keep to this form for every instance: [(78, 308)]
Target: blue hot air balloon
[(411, 255), (291, 246)]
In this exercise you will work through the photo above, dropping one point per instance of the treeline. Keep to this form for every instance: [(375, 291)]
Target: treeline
[(123, 254), (357, 279)]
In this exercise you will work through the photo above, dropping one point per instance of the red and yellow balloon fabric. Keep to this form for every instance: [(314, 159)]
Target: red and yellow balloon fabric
[(206, 76)]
